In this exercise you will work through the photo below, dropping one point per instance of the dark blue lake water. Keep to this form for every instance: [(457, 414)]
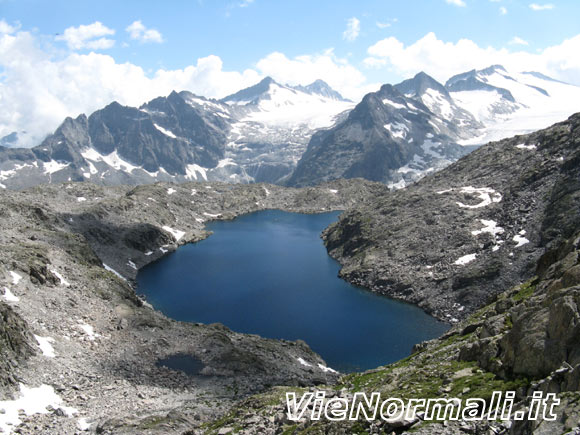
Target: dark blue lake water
[(268, 273)]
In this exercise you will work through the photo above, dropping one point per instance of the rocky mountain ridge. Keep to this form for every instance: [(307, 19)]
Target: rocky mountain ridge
[(252, 136), (447, 121), (260, 134)]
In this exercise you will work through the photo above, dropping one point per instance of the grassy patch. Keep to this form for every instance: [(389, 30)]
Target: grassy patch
[(526, 290)]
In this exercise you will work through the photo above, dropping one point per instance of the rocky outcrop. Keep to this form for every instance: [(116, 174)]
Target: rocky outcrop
[(14, 345), (454, 239)]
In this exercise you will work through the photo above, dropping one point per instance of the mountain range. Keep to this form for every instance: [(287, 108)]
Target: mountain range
[(292, 135)]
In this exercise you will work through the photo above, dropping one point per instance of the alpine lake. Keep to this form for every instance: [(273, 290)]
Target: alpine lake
[(268, 273)]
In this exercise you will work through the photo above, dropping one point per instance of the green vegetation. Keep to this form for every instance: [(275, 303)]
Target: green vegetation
[(525, 290)]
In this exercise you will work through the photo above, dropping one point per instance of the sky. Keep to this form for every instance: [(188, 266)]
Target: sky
[(62, 58)]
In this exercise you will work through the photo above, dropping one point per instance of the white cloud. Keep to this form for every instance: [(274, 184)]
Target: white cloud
[(246, 3), (91, 36), (443, 59), (139, 32), (460, 3), (7, 28), (544, 7), (516, 40), (38, 91), (383, 25), (352, 29), (503, 10)]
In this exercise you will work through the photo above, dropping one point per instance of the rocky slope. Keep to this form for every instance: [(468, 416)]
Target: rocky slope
[(460, 236), (74, 334), (388, 137)]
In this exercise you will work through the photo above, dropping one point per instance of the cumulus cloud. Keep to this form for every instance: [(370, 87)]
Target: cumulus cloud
[(352, 29), (544, 7), (460, 3), (139, 32), (443, 59), (7, 28), (91, 36)]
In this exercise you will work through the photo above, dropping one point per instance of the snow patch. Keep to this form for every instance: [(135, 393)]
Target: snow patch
[(486, 194), (15, 277), (520, 240), (83, 425), (9, 296), (131, 265), (60, 277), (397, 129), (461, 261), (489, 227), (212, 215), (226, 162), (401, 184), (89, 330), (304, 363), (171, 191), (165, 132), (53, 166), (31, 401), (393, 104), (110, 269), (437, 103), (191, 172), (45, 346), (148, 253), (111, 159), (326, 369), (175, 233), (81, 199), (526, 147)]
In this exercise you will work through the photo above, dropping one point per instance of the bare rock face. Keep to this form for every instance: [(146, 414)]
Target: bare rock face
[(388, 137), (15, 345), (546, 330)]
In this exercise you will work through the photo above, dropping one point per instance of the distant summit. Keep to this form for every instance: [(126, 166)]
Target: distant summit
[(320, 87), (264, 87), (418, 85), (250, 94)]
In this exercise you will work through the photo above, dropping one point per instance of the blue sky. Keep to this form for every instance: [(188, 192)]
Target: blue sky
[(242, 32), (132, 50)]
